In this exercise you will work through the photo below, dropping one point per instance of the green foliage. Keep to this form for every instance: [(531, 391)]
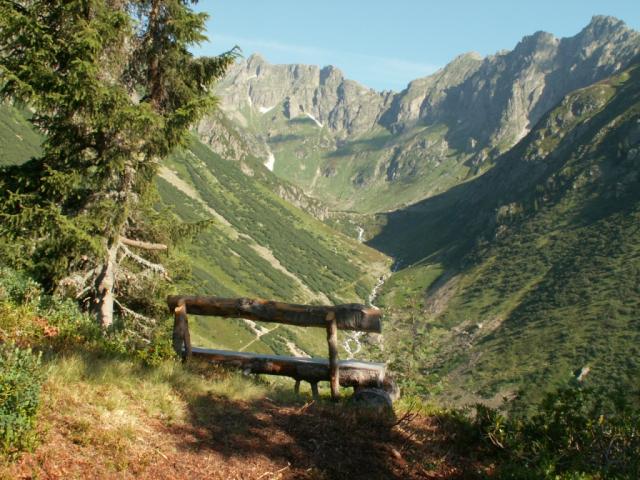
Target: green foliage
[(21, 377), (160, 347), (17, 287), (114, 88), (31, 318), (575, 432)]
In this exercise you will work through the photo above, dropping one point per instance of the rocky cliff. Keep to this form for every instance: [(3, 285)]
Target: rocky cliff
[(371, 151), (322, 94)]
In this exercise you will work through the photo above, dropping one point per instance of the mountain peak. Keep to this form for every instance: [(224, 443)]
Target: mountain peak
[(256, 59), (535, 41), (606, 20), (466, 57), (602, 25)]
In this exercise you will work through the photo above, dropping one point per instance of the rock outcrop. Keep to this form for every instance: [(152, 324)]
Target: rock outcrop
[(435, 133), (322, 94)]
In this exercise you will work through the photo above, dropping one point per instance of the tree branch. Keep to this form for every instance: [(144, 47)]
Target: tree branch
[(156, 267), (137, 316), (143, 245)]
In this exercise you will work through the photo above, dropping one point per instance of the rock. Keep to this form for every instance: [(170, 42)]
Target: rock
[(468, 112), (375, 398)]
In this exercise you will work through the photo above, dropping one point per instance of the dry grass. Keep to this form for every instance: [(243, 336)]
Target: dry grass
[(105, 417)]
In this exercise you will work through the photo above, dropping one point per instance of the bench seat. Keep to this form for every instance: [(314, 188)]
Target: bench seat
[(352, 373)]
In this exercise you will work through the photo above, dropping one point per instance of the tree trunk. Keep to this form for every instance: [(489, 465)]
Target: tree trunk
[(105, 284)]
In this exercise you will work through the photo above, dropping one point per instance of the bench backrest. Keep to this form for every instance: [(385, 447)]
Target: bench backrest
[(350, 316)]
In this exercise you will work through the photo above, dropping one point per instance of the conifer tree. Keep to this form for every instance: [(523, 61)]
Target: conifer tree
[(114, 89)]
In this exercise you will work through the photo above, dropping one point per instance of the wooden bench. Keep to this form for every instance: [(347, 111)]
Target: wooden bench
[(348, 373)]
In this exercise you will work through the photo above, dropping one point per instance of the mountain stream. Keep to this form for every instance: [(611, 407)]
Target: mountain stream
[(352, 343)]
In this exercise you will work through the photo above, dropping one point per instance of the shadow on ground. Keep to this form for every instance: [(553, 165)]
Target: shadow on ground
[(325, 440)]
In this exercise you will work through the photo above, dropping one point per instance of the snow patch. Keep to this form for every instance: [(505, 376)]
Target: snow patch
[(271, 161), (360, 234), (265, 109), (313, 118)]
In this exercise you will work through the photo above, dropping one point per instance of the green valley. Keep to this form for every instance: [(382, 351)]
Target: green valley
[(255, 244), (522, 277), (487, 215)]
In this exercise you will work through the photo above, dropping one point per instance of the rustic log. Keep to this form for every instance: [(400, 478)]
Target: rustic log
[(352, 373), (332, 341), (314, 391), (351, 316), (296, 387), (181, 336)]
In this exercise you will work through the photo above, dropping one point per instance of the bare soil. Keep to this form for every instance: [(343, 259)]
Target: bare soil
[(258, 440)]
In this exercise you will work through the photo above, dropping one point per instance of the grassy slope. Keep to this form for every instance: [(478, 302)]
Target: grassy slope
[(18, 141), (106, 417), (111, 407), (328, 266), (541, 260), (237, 258)]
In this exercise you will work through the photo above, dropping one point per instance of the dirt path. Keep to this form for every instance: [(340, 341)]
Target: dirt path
[(261, 440), (259, 334)]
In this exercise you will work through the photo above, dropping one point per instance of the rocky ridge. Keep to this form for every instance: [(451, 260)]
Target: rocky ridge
[(439, 131)]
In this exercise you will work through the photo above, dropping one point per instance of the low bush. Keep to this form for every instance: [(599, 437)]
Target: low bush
[(575, 433), (21, 377), (18, 287)]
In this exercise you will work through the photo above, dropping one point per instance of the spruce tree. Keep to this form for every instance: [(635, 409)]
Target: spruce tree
[(114, 89)]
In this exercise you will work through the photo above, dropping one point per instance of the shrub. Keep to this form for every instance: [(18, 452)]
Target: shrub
[(575, 433), (21, 377), (160, 347), (18, 287)]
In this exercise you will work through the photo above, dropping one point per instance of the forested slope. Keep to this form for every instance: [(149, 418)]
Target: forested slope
[(256, 244), (529, 273)]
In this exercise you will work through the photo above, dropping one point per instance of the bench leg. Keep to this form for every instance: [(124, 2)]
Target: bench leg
[(181, 337), (296, 387), (314, 390)]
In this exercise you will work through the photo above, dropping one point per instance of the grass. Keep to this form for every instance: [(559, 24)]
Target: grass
[(406, 288), (112, 384), (111, 417), (106, 413), (18, 139)]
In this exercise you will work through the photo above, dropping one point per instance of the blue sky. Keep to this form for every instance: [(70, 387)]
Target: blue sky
[(386, 44)]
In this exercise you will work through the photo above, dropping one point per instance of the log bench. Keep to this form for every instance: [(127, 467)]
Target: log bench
[(362, 376)]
